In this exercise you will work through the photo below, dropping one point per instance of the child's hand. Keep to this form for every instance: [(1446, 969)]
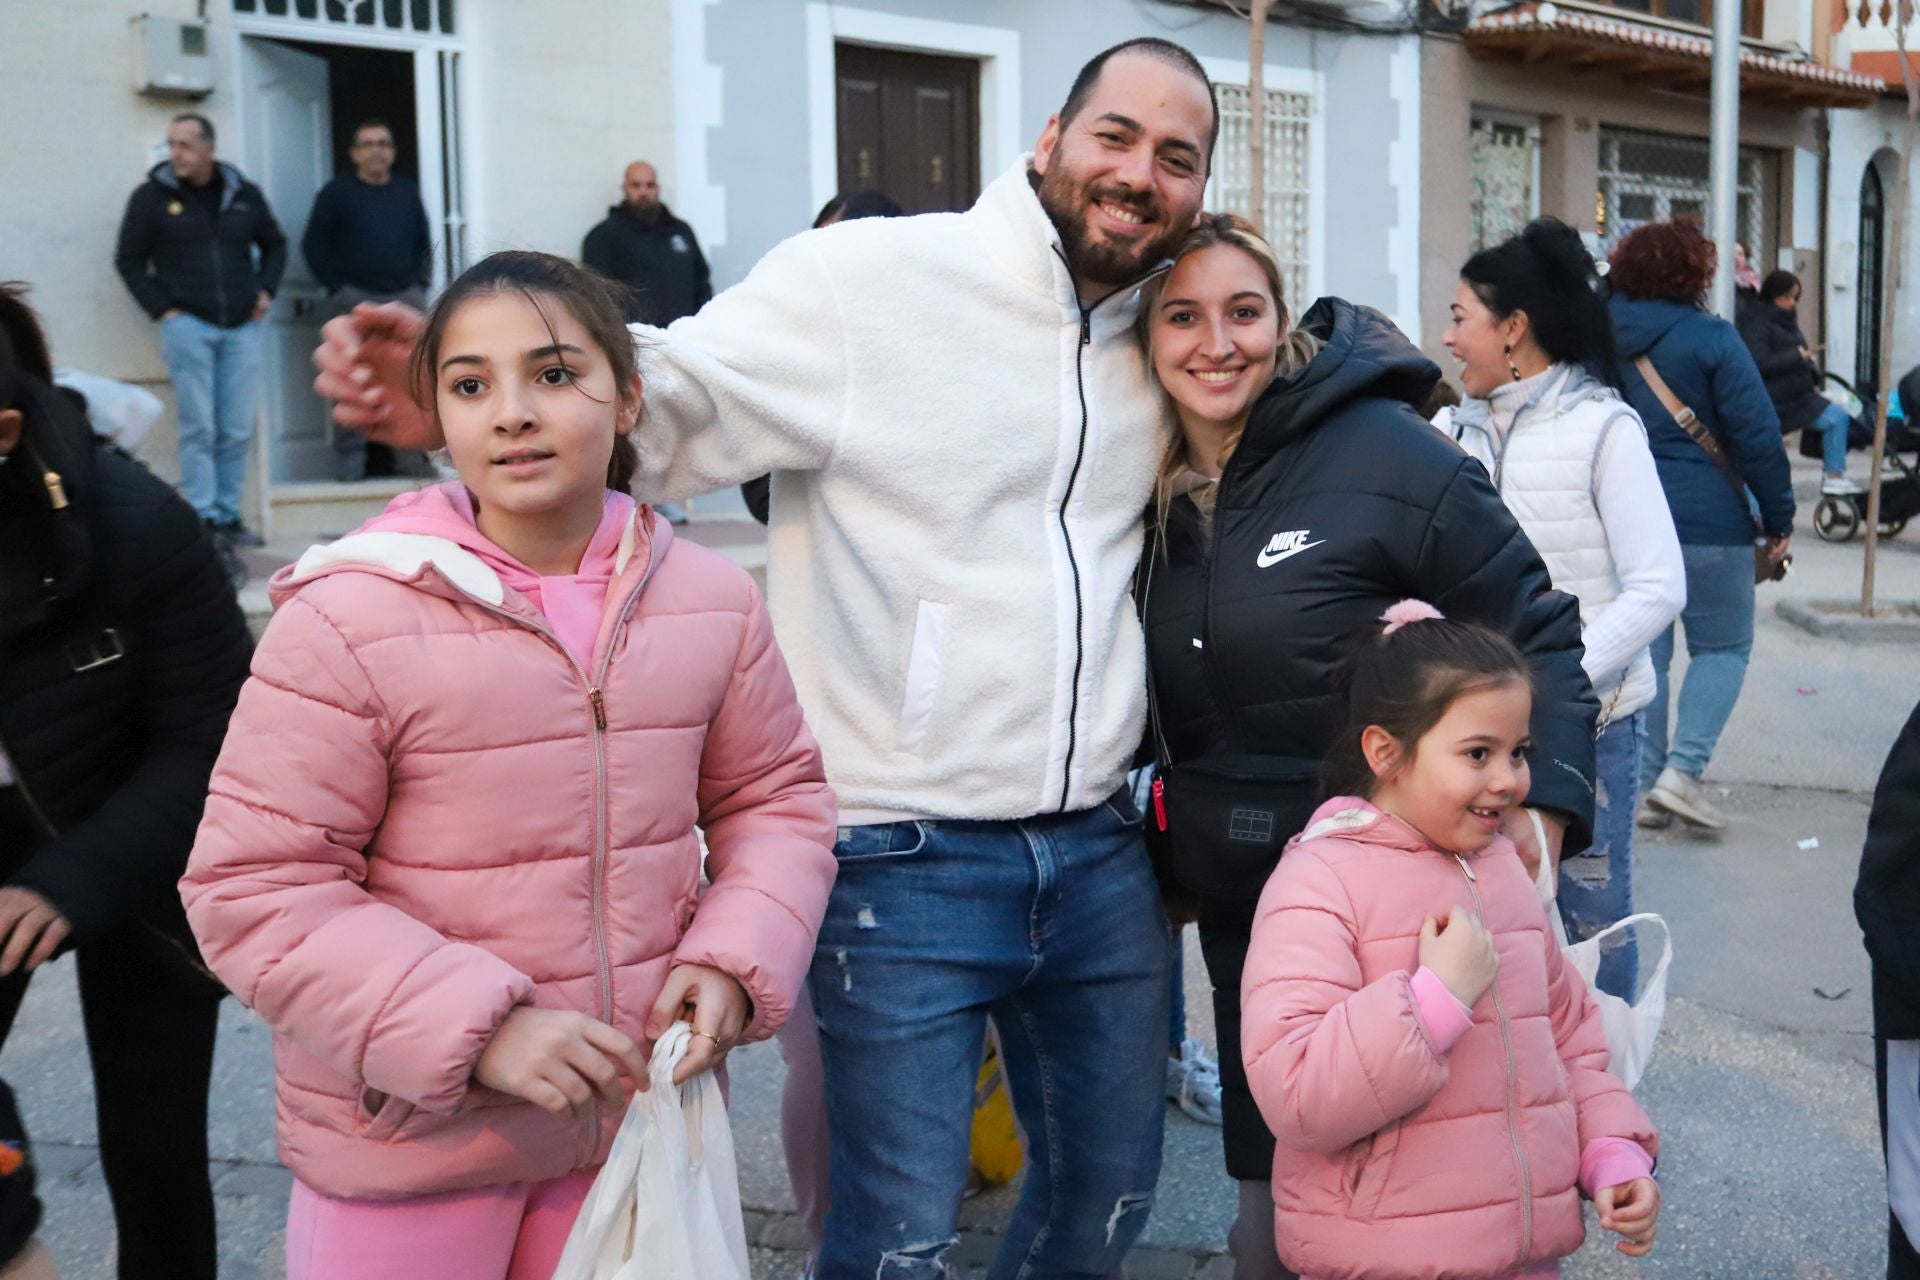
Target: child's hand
[(713, 1002), (1461, 954), (1631, 1210), (559, 1060)]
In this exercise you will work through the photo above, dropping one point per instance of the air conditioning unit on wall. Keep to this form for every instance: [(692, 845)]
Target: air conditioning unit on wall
[(170, 57)]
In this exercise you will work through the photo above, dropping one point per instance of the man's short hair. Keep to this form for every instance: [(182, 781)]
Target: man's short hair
[(371, 122), (206, 125), (1166, 51)]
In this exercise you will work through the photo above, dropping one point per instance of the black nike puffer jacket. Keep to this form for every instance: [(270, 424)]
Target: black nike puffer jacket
[(1340, 500)]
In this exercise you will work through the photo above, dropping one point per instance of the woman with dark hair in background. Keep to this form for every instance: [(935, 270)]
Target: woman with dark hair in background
[(122, 650), (1657, 276), (1570, 458), (1772, 333)]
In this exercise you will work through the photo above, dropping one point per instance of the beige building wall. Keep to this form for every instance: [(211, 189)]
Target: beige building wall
[(1572, 107)]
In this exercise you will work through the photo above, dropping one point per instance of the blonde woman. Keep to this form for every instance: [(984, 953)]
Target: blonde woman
[(1303, 495)]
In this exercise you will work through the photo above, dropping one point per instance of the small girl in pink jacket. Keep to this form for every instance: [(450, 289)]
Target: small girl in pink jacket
[(1432, 1066), (452, 849)]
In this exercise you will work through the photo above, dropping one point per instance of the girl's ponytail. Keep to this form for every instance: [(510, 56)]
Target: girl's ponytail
[(1402, 673)]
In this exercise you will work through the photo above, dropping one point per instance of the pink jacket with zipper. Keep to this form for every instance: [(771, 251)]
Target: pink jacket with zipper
[(427, 813), (1396, 1160)]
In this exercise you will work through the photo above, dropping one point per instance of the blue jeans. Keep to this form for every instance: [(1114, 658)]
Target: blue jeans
[(1596, 887), (1719, 625), (1052, 925), (216, 380), (1833, 425)]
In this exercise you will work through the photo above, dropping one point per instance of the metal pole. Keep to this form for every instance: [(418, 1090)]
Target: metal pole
[(1724, 153)]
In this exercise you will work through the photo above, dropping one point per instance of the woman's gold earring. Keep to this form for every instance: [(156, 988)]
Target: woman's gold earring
[(1511, 365)]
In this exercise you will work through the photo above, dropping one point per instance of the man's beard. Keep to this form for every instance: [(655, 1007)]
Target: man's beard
[(1106, 261)]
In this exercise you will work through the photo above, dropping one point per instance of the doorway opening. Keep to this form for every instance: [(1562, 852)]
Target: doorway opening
[(1866, 331), (300, 103)]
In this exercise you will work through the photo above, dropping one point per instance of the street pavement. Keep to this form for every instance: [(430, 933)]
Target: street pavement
[(1762, 1083)]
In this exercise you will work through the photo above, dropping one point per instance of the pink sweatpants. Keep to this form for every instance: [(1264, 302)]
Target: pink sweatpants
[(515, 1231)]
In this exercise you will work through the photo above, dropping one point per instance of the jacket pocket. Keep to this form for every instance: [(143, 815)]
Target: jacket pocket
[(1374, 1168), (381, 1114), (923, 677)]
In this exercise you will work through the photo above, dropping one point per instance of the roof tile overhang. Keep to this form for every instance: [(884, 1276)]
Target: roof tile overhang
[(1543, 31)]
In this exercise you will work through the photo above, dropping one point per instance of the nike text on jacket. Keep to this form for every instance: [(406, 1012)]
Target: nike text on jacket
[(961, 456)]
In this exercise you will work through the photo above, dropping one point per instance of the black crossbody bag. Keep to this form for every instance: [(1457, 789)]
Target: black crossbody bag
[(1225, 819)]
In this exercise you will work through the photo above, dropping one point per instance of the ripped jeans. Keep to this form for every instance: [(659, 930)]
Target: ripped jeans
[(1052, 925), (1596, 887)]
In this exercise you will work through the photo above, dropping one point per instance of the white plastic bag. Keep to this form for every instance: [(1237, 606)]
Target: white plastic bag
[(118, 410), (1631, 1029), (666, 1205)]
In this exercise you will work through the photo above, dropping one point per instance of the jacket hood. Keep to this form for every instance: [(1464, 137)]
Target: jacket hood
[(424, 531), (1357, 820), (1363, 356), (1570, 387), (1639, 323), (230, 178)]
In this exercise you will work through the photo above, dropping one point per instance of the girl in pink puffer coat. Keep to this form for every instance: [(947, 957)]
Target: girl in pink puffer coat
[(452, 849), (1431, 1064)]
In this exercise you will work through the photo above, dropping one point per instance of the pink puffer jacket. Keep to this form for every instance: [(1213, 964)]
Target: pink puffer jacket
[(427, 812), (1395, 1161)]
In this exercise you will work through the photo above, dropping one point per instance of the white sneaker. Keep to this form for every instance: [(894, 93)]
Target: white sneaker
[(1841, 487), (1193, 1081), (1652, 819), (1684, 798)]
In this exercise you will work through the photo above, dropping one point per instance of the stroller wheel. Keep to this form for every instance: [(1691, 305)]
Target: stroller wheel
[(1891, 528), (1836, 519)]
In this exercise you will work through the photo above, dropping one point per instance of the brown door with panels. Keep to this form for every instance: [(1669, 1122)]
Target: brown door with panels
[(909, 127)]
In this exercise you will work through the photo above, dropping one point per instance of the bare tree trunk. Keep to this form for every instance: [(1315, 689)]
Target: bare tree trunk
[(1890, 286), (1257, 116)]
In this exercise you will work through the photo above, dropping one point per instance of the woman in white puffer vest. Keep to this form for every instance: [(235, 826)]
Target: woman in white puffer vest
[(1534, 342)]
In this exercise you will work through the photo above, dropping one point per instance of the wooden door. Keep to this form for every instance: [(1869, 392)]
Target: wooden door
[(909, 127)]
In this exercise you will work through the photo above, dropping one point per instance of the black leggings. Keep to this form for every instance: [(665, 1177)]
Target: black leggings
[(150, 1019)]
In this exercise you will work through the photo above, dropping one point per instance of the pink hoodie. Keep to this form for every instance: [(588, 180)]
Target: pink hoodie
[(428, 811), (1417, 1142)]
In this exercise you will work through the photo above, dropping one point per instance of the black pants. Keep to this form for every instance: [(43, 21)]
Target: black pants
[(1903, 1262), (1226, 930), (150, 1020)]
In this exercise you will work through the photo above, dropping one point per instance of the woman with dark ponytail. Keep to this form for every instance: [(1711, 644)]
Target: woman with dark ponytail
[(1570, 457)]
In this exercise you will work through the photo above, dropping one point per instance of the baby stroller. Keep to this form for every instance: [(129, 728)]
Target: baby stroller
[(1839, 518)]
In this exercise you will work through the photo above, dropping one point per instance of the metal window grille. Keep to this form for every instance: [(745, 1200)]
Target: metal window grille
[(419, 17), (1650, 177), (1289, 145), (1504, 192)]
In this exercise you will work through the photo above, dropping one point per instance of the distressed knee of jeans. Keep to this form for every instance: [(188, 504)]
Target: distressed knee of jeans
[(1126, 1206), (846, 970), (865, 919), (913, 1261), (1600, 800), (1590, 870)]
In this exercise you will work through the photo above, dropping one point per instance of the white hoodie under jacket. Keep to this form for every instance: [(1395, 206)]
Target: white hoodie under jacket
[(961, 454)]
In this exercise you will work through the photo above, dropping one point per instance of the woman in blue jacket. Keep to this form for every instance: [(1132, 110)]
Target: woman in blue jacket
[(1657, 276)]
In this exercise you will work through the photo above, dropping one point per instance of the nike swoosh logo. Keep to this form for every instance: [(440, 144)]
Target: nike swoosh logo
[(1267, 561)]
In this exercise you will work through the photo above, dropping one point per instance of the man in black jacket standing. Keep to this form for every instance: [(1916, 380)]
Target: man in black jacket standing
[(122, 651), (643, 246), (367, 241), (186, 252), (1886, 901)]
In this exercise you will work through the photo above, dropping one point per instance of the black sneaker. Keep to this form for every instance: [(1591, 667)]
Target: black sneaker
[(235, 534)]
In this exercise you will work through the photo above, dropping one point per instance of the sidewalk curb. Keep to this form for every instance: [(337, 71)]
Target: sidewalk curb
[(1814, 617)]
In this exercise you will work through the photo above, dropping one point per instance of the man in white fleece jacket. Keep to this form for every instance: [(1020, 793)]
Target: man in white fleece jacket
[(963, 437)]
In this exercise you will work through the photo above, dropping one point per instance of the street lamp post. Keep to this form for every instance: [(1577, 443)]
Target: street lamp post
[(1724, 151)]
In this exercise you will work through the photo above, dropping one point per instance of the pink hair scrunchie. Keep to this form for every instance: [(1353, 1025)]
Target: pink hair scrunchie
[(1399, 615)]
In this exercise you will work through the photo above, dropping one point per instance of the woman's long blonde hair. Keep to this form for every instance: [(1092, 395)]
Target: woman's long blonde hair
[(1296, 350)]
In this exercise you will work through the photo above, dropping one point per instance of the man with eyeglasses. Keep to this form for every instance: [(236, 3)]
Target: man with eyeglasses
[(367, 241)]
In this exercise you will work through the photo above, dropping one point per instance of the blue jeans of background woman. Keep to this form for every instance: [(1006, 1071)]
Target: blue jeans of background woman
[(1718, 621), (1596, 886), (1833, 424)]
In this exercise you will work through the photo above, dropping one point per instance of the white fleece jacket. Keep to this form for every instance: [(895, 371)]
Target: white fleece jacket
[(961, 457)]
